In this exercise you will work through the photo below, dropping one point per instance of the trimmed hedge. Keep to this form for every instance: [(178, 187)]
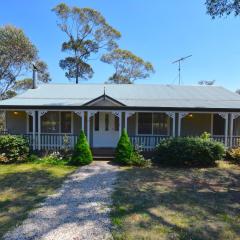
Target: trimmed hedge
[(82, 154), (13, 149), (189, 152)]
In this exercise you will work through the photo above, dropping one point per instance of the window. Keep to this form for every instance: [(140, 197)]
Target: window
[(160, 124), (66, 118), (107, 122), (96, 122), (218, 125), (50, 122), (116, 123), (153, 123), (145, 123)]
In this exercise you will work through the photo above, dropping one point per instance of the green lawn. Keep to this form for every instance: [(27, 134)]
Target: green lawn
[(23, 186), (161, 203)]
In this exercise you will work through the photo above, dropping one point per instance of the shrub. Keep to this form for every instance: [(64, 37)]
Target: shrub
[(137, 159), (82, 154), (124, 150), (126, 154), (233, 155), (189, 151), (13, 149), (54, 158)]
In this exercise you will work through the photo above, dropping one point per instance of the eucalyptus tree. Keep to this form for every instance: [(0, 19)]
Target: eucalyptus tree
[(127, 67), (88, 34), (17, 54), (219, 8), (207, 82)]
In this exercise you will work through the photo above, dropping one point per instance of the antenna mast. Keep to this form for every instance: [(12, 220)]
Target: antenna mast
[(179, 61)]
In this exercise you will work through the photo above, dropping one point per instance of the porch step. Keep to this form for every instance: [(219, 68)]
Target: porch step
[(103, 153), (103, 158)]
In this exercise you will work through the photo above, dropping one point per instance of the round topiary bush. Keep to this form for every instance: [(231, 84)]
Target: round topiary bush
[(13, 149), (189, 151), (82, 154)]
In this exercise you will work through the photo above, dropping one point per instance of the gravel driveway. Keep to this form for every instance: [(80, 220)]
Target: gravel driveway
[(79, 210)]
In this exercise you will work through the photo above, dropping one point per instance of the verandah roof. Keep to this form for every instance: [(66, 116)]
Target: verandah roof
[(131, 96)]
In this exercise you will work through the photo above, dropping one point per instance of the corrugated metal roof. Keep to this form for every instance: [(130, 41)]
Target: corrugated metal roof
[(134, 95)]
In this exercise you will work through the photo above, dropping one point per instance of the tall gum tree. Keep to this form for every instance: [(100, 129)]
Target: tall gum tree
[(88, 33), (17, 54), (219, 8), (128, 67)]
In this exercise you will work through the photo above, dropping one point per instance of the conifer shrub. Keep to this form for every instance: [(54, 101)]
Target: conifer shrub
[(189, 152), (82, 154), (126, 154)]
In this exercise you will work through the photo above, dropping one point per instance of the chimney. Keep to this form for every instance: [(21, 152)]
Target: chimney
[(34, 83)]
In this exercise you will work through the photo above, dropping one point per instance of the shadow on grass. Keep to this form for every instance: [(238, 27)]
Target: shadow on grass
[(22, 191), (70, 206), (177, 204)]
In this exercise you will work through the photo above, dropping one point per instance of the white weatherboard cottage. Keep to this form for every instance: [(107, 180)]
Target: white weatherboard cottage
[(52, 115)]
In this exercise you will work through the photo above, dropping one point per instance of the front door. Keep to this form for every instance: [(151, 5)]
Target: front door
[(105, 130)]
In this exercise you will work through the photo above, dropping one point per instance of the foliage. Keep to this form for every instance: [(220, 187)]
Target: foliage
[(205, 136), (219, 8), (88, 33), (189, 151), (13, 149), (82, 153), (207, 82), (128, 67), (233, 155), (137, 159), (126, 154), (16, 56), (54, 158), (124, 150)]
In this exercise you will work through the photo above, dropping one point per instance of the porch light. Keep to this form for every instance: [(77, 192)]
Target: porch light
[(190, 115), (15, 113)]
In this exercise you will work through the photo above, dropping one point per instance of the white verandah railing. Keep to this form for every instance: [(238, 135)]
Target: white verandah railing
[(144, 143), (52, 141)]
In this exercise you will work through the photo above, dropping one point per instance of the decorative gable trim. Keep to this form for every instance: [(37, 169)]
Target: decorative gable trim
[(104, 97)]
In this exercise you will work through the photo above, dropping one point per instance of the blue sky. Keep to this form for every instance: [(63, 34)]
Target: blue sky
[(156, 30)]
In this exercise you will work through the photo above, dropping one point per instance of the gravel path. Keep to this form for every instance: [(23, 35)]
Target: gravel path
[(79, 210)]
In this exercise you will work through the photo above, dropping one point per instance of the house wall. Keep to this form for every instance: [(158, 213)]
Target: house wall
[(196, 125), (16, 122)]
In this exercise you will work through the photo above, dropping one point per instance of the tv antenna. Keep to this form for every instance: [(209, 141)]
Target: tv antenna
[(179, 61)]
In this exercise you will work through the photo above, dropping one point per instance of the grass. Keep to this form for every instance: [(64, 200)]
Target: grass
[(162, 203), (23, 186)]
